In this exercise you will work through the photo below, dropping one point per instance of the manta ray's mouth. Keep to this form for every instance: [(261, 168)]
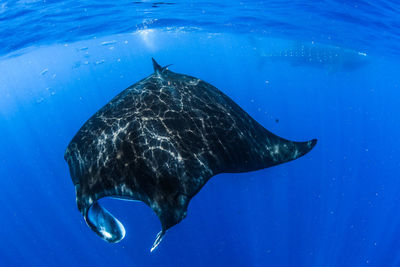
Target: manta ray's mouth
[(105, 224), (109, 228)]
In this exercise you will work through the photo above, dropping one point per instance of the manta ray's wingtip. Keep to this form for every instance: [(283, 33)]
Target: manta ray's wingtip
[(305, 147), (312, 142)]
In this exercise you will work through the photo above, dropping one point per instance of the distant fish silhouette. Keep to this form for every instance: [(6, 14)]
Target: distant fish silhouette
[(159, 141), (317, 55)]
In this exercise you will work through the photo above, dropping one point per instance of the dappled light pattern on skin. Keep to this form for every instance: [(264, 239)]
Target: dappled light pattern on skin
[(159, 141)]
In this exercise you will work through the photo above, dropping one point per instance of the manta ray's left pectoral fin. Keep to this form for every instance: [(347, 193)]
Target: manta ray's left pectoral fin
[(104, 224)]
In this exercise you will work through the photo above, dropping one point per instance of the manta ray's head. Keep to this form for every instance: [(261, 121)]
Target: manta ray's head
[(95, 181), (98, 218), (88, 192)]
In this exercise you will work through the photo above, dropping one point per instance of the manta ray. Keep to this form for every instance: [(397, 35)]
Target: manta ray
[(159, 141)]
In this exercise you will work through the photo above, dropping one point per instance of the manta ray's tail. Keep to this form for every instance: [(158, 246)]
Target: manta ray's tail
[(157, 67)]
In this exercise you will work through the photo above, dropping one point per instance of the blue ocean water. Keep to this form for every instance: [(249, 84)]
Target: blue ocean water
[(303, 69)]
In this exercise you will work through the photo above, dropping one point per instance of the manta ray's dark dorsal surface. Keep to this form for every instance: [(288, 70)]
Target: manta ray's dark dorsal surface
[(159, 141)]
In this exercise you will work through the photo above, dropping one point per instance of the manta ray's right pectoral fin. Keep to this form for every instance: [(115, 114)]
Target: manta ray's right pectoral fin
[(285, 150), (104, 224)]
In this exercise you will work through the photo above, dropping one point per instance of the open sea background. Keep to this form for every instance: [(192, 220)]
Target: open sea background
[(303, 69)]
